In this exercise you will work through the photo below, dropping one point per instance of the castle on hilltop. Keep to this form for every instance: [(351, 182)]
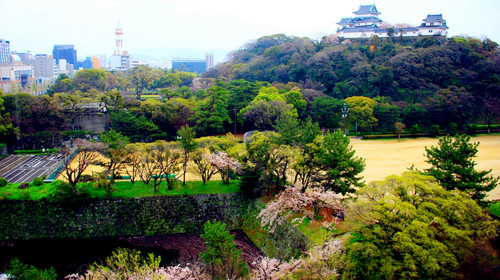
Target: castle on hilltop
[(366, 23)]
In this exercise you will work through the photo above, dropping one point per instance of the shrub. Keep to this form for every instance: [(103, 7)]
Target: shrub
[(23, 271), (38, 181), (66, 193), (24, 195), (85, 178), (434, 130), (3, 182)]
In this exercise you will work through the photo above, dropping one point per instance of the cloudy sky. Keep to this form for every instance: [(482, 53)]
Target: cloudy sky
[(157, 26)]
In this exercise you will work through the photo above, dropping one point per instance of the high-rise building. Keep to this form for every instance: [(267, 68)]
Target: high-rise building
[(85, 64), (44, 66), (209, 59), (67, 52), (96, 62), (121, 62), (4, 51), (16, 76)]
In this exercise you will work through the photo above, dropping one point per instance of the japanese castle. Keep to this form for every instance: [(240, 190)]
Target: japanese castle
[(366, 23)]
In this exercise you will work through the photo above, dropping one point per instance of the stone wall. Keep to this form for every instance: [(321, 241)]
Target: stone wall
[(24, 220)]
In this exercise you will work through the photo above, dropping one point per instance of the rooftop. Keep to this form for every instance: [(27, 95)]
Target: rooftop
[(434, 18), (367, 9)]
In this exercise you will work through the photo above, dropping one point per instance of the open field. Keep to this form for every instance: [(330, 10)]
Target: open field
[(387, 157)]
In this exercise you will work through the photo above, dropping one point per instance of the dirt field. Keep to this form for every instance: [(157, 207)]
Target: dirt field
[(387, 157)]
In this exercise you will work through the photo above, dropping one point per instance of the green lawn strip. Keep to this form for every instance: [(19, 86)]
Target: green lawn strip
[(34, 152), (150, 96), (122, 189)]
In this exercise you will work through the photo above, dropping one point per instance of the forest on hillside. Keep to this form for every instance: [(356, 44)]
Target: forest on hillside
[(431, 84)]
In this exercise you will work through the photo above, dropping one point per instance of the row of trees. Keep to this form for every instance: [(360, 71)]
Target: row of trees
[(44, 121)]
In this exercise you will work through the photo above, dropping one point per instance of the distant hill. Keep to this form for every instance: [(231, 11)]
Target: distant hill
[(410, 70)]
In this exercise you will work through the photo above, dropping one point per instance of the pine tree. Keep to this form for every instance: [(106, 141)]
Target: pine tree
[(453, 165)]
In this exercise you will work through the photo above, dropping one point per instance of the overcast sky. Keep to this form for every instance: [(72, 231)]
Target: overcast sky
[(212, 25)]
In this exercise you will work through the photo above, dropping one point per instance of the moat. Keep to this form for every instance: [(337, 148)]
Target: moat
[(69, 256)]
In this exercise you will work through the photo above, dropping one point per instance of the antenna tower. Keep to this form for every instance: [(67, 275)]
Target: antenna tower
[(119, 39)]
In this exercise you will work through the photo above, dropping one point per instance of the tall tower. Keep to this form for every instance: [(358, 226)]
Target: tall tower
[(118, 40), (120, 60)]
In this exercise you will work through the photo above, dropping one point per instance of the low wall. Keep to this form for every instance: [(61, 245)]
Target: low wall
[(24, 220)]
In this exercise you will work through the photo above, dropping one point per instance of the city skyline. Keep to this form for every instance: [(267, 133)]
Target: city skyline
[(170, 28)]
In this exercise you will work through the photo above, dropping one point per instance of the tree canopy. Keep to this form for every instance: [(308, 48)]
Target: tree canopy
[(409, 227)]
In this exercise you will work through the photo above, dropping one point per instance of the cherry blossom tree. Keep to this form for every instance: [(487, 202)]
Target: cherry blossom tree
[(292, 199), (225, 164), (322, 261)]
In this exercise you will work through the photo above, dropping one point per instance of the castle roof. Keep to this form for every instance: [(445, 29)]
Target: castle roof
[(434, 18), (365, 28), (345, 21), (397, 30), (367, 10), (358, 20)]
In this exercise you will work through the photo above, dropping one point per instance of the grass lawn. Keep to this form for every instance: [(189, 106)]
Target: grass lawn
[(139, 189), (150, 96), (122, 189)]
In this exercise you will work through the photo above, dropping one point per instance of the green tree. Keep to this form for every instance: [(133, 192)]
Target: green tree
[(142, 77), (186, 136), (341, 169), (5, 121), (88, 79), (220, 255), (211, 113), (137, 128), (361, 112), (326, 111), (329, 162), (409, 227), (295, 98), (452, 164)]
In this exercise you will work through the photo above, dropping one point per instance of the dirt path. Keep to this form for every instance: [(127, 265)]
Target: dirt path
[(387, 157)]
